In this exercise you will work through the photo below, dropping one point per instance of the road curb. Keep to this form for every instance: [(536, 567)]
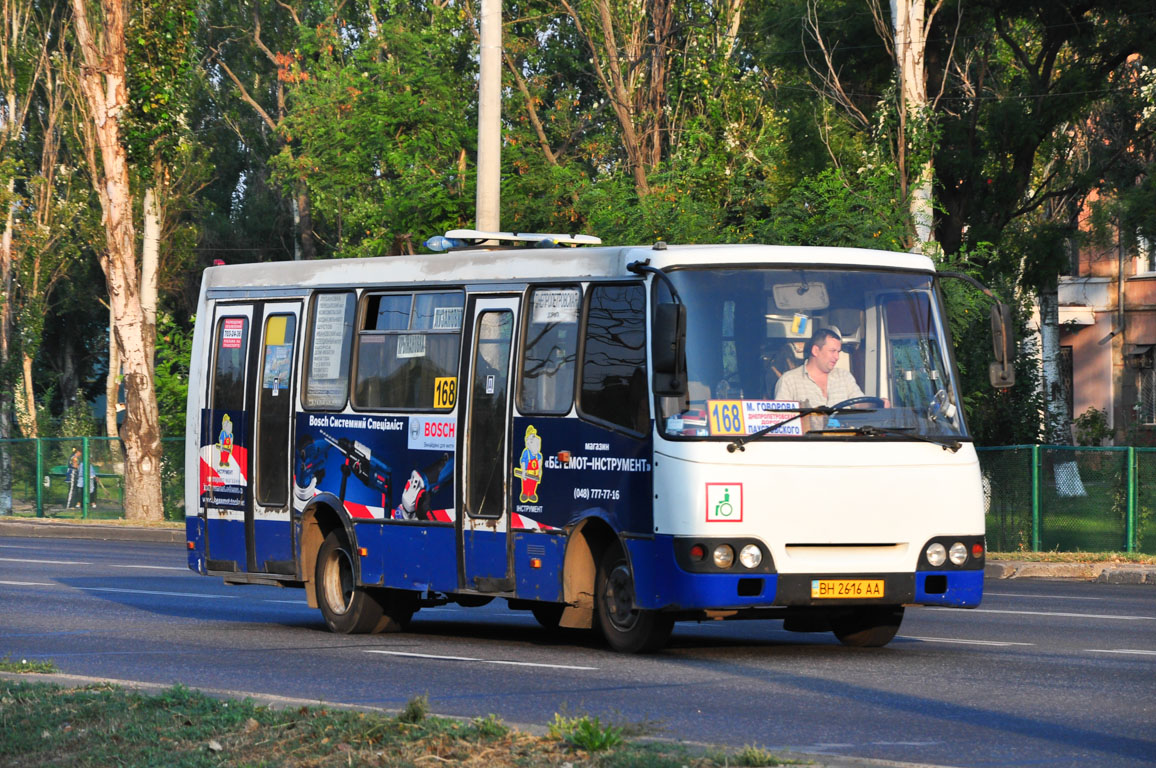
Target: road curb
[(54, 529), (1104, 573)]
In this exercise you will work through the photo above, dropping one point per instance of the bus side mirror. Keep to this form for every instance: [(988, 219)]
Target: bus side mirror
[(1002, 371), (668, 350)]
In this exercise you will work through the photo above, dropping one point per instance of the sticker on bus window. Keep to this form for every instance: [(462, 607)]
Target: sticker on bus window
[(411, 345), (745, 417), (447, 319), (232, 332), (445, 391), (555, 306)]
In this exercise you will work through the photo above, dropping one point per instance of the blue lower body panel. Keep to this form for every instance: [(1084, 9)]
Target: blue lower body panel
[(660, 583)]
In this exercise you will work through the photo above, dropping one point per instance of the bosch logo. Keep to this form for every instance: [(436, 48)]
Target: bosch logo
[(438, 429)]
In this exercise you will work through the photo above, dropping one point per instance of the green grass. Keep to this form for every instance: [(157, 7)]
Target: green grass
[(99, 725), (7, 664)]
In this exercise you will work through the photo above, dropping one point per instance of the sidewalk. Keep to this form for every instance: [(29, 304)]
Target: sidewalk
[(1106, 573), (48, 528)]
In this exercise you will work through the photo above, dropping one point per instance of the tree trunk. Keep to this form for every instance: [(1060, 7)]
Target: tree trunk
[(1058, 423), (102, 81), (908, 19), (112, 382)]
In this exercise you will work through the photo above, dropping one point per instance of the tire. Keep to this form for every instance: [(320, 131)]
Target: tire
[(347, 609), (626, 629), (548, 614), (872, 627)]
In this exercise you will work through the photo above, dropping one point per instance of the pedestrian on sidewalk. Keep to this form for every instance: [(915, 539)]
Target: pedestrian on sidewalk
[(75, 479)]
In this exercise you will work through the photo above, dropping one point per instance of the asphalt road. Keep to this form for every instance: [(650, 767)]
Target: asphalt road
[(1051, 673)]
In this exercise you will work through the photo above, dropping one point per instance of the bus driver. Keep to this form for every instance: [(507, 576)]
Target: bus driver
[(817, 381)]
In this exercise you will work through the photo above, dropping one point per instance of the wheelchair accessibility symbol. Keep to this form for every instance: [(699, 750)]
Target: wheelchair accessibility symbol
[(724, 502)]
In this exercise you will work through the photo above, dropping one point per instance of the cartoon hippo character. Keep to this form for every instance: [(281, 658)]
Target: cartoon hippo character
[(529, 469)]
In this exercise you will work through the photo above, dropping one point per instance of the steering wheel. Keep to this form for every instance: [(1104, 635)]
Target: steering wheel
[(940, 404), (876, 402)]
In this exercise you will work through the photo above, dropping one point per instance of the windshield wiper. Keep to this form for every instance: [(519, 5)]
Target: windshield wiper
[(826, 410), (904, 432)]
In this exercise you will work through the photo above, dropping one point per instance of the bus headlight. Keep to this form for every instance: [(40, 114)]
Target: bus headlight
[(724, 556), (936, 554), (750, 556), (958, 553)]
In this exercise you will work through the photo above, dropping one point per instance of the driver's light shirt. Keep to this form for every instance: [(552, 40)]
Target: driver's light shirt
[(797, 384)]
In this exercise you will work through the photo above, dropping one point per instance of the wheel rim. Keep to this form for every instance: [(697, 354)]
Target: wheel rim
[(618, 598), (338, 586)]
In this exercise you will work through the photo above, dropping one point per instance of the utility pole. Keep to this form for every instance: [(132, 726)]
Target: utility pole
[(489, 200)]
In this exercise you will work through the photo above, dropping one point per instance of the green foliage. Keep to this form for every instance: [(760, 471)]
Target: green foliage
[(754, 757), (8, 664), (380, 129), (993, 416), (1092, 427), (174, 347), (585, 732), (490, 727), (77, 420), (416, 710), (158, 63)]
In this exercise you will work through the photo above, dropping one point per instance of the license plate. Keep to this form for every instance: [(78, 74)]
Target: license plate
[(846, 588)]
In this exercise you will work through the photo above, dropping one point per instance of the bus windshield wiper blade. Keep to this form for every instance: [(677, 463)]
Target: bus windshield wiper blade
[(826, 410), (904, 432)]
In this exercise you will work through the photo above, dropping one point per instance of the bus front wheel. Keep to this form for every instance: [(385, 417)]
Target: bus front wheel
[(872, 627), (347, 609), (626, 629)]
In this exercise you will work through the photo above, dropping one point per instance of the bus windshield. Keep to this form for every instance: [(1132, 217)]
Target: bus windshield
[(750, 334)]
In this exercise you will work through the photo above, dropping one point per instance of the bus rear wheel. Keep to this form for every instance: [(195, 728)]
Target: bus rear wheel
[(626, 629), (347, 609), (872, 627)]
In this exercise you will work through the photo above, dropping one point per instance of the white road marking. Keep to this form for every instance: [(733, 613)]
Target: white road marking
[(1122, 650), (1069, 615), (43, 562), (481, 661), (153, 592), (990, 593), (151, 567), (27, 584), (960, 640)]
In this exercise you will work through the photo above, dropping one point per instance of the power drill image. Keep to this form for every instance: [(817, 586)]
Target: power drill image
[(359, 462), (309, 465)]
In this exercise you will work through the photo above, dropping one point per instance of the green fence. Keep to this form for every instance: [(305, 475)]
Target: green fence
[(38, 477), (1069, 499)]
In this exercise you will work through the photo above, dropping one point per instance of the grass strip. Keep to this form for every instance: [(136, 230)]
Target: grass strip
[(101, 725), (1075, 557)]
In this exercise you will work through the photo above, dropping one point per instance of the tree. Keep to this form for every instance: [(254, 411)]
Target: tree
[(100, 36)]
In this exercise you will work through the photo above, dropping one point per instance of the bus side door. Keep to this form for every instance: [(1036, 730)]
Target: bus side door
[(268, 524), (225, 439), (485, 549)]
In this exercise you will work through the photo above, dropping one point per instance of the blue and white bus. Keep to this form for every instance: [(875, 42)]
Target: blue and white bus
[(590, 433)]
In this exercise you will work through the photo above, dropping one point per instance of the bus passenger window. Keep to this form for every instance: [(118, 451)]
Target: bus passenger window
[(550, 352), (614, 359), (407, 345), (229, 373), (327, 372)]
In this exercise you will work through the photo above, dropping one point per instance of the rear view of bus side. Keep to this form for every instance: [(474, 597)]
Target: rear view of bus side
[(592, 434)]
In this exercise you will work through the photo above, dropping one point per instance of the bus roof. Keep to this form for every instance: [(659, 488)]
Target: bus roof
[(486, 265)]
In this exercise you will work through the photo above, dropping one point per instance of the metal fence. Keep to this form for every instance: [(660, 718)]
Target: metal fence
[(1069, 499), (1038, 497), (41, 484)]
